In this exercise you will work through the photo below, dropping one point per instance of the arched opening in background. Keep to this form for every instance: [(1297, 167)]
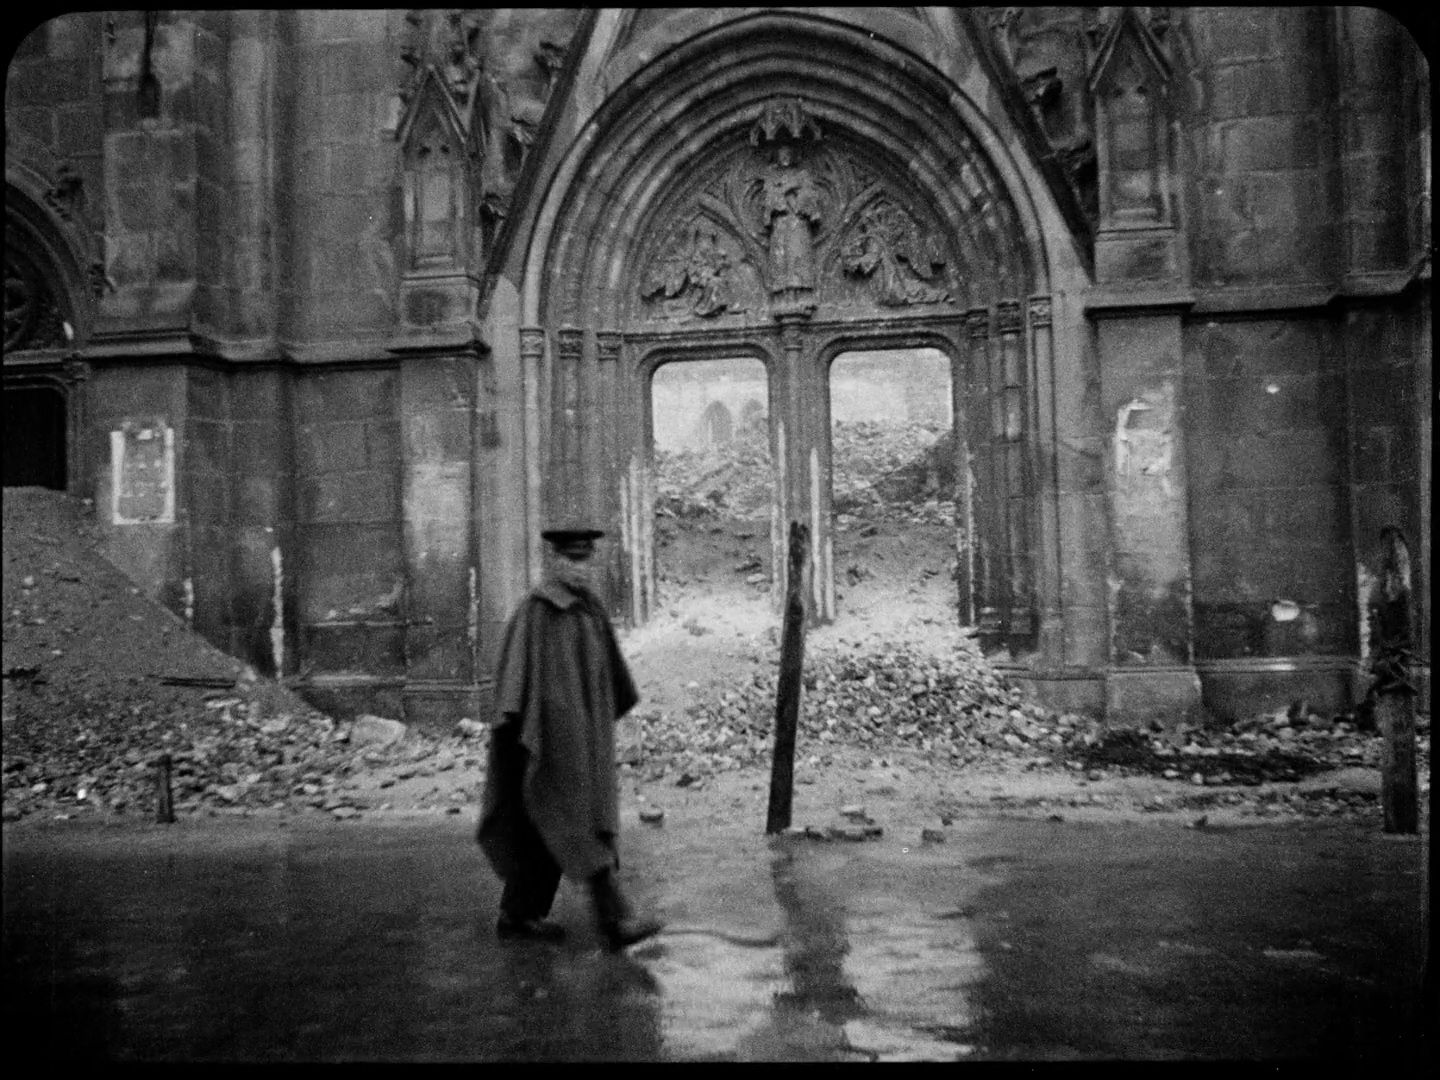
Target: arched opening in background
[(893, 485), (714, 482)]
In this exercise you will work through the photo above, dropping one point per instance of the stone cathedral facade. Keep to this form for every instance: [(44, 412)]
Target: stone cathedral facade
[(329, 311)]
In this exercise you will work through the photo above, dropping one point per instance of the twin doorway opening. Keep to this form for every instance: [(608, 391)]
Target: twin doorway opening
[(894, 455)]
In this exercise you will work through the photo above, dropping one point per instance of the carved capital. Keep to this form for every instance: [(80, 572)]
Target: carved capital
[(532, 344), (609, 343), (1007, 317), (568, 341), (977, 322), (76, 371), (1039, 311)]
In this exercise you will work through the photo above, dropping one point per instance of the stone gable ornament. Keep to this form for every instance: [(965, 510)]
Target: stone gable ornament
[(442, 132)]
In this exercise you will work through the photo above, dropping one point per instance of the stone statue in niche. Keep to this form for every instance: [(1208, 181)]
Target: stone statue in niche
[(888, 248), (698, 268), (792, 210)]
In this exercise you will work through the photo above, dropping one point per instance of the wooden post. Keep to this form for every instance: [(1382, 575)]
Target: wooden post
[(787, 695), (1393, 693), (164, 800)]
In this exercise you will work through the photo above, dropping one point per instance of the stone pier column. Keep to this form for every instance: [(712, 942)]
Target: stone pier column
[(608, 466), (803, 488), (974, 554), (1151, 671), (532, 371), (565, 497)]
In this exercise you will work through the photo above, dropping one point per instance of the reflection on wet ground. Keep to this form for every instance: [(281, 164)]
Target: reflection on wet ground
[(248, 942)]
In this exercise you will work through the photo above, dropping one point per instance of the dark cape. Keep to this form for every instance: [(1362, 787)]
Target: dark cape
[(559, 688)]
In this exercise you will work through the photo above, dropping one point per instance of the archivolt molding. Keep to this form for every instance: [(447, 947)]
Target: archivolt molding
[(53, 264), (643, 209)]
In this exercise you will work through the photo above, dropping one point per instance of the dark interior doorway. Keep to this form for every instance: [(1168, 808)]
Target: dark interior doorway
[(34, 438)]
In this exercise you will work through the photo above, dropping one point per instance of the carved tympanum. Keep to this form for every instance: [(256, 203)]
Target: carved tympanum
[(787, 222)]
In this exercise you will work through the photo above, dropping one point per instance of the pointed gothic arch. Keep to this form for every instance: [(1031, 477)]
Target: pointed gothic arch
[(922, 228), (51, 273)]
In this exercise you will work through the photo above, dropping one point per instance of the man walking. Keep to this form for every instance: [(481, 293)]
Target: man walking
[(551, 796)]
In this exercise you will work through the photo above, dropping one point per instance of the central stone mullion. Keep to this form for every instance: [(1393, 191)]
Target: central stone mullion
[(800, 450)]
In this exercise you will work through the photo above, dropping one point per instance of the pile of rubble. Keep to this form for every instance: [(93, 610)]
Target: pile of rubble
[(903, 473), (956, 710), (953, 707), (734, 480), (101, 683), (893, 472)]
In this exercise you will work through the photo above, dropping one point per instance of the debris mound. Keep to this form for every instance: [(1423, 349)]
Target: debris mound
[(100, 681)]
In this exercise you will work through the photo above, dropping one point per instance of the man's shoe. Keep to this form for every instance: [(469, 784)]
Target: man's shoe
[(629, 931), (529, 929)]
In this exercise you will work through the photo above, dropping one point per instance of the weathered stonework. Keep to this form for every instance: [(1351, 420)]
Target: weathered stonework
[(391, 286)]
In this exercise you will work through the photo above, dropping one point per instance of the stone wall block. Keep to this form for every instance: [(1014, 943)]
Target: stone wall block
[(437, 652), (258, 449), (206, 445), (339, 315), (1086, 636), (1239, 33), (1380, 396), (349, 497), (353, 67), (351, 571), (1267, 143), (260, 499), (354, 649), (1080, 466), (350, 118), (80, 129), (1082, 526), (365, 24), (332, 448), (347, 395)]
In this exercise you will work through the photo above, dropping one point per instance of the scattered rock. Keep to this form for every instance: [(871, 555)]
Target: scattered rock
[(652, 815), (376, 731), (932, 836)]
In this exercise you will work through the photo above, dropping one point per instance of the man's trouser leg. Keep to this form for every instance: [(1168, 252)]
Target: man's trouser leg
[(531, 891), (618, 924)]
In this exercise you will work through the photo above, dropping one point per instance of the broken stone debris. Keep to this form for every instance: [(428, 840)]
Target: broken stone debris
[(376, 731)]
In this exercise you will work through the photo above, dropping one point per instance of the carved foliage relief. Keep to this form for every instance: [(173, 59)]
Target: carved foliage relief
[(787, 222)]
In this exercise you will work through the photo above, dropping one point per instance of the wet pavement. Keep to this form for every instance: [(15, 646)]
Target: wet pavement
[(1017, 939)]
